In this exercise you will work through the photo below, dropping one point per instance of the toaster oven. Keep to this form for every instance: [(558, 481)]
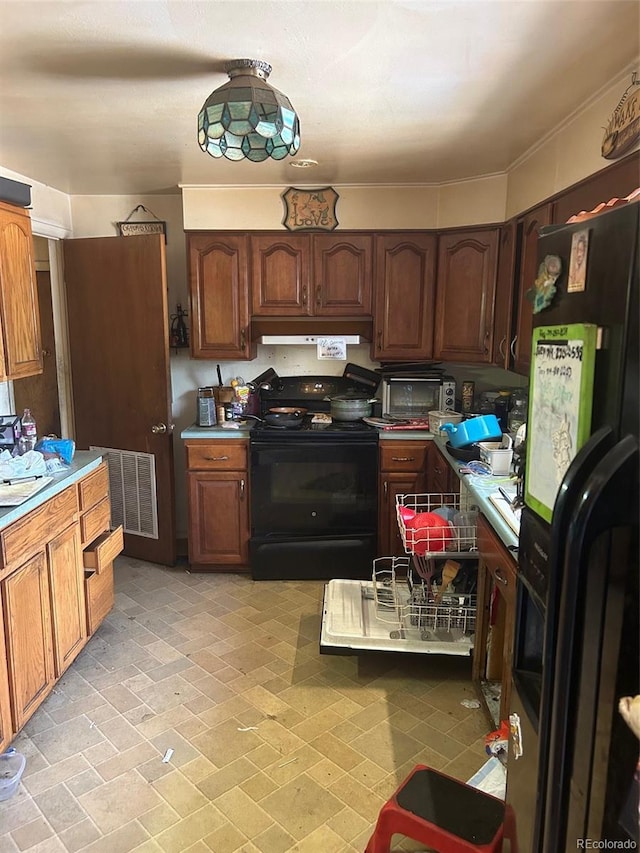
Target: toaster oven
[(415, 397)]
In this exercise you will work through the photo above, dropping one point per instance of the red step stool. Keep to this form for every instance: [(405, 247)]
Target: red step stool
[(441, 812)]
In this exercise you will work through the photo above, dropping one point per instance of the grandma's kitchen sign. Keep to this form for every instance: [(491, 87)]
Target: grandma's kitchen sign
[(623, 129), (310, 210)]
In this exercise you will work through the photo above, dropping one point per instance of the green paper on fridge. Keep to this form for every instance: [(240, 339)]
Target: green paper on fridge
[(562, 370)]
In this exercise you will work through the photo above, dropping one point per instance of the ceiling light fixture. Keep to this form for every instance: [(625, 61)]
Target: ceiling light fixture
[(247, 117), (303, 164)]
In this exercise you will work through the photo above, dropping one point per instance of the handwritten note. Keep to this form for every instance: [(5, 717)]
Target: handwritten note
[(560, 413), (332, 348)]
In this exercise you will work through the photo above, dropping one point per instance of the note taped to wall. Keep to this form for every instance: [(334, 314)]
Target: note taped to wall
[(561, 390)]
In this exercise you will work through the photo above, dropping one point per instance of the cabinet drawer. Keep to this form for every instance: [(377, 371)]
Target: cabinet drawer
[(217, 456), (103, 550), (95, 521), (403, 455), (26, 537), (99, 596), (93, 488), (497, 559)]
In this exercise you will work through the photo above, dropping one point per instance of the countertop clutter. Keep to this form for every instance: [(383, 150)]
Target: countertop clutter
[(83, 463)]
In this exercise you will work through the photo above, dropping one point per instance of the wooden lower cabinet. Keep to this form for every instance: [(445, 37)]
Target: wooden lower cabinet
[(218, 504), (495, 620), (6, 728), (47, 612), (25, 598), (66, 589), (403, 471), (441, 478)]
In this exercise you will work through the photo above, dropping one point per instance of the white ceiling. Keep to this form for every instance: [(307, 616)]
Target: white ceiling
[(102, 97)]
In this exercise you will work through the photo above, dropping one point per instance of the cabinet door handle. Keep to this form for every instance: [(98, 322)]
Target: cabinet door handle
[(403, 458), (216, 458), (319, 295), (243, 338), (499, 575), (242, 489), (304, 294), (513, 345), (385, 489), (486, 342), (501, 346)]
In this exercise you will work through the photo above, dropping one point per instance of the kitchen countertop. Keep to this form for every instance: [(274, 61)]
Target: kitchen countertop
[(83, 462), (195, 432), (480, 488)]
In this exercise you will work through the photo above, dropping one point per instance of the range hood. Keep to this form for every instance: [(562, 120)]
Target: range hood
[(307, 330)]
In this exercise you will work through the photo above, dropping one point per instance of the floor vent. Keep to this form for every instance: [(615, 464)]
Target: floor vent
[(132, 485)]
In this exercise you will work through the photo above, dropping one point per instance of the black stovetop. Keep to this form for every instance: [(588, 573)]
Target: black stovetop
[(311, 392)]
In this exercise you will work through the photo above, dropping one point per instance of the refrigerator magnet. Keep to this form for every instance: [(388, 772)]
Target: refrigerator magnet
[(544, 287), (578, 262)]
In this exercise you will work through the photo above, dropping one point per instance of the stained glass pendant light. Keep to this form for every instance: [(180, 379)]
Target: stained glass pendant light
[(247, 117)]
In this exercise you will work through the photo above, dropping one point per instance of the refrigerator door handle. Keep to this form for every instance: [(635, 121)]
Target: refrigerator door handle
[(607, 500)]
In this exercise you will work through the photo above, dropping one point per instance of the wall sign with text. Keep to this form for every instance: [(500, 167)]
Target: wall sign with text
[(310, 210)]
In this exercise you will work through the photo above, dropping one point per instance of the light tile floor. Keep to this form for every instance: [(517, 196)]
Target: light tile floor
[(276, 748)]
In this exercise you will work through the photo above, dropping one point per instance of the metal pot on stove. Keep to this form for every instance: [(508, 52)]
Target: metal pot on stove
[(351, 407)]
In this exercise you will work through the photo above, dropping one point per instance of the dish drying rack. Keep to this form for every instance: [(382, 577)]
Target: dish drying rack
[(421, 609)]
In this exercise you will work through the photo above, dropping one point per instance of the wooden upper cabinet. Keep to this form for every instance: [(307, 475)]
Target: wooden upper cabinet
[(311, 275), (404, 296), (219, 291), (465, 293), (342, 274), (20, 342), (280, 275), (530, 226), (505, 287)]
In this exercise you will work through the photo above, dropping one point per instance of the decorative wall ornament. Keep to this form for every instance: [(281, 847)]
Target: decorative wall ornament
[(135, 227), (310, 210), (623, 129)]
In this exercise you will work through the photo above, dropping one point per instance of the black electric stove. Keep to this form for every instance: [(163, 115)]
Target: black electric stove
[(312, 393), (314, 488)]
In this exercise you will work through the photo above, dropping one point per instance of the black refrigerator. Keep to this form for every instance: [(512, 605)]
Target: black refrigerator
[(572, 766)]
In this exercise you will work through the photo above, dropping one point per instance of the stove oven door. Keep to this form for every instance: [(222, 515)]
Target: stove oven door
[(313, 509)]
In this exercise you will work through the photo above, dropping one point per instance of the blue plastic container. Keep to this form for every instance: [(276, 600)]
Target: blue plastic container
[(482, 428)]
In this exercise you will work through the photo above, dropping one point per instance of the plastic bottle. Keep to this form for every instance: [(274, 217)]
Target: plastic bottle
[(29, 430), (518, 411)]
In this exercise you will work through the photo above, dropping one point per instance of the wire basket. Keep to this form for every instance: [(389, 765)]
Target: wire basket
[(447, 531), (413, 606)]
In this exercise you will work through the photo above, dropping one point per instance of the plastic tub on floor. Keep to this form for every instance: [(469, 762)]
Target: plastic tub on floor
[(12, 766)]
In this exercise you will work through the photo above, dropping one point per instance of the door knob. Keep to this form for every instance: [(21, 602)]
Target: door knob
[(159, 429)]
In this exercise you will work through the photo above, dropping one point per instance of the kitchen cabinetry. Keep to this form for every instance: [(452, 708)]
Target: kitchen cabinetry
[(505, 284), (465, 292), (529, 226), (403, 471), (404, 296), (318, 275), (218, 504), (219, 293), (495, 621), (440, 476), (20, 342), (6, 729), (100, 545), (42, 596)]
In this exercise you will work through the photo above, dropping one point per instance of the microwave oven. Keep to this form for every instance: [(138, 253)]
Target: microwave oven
[(408, 397)]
